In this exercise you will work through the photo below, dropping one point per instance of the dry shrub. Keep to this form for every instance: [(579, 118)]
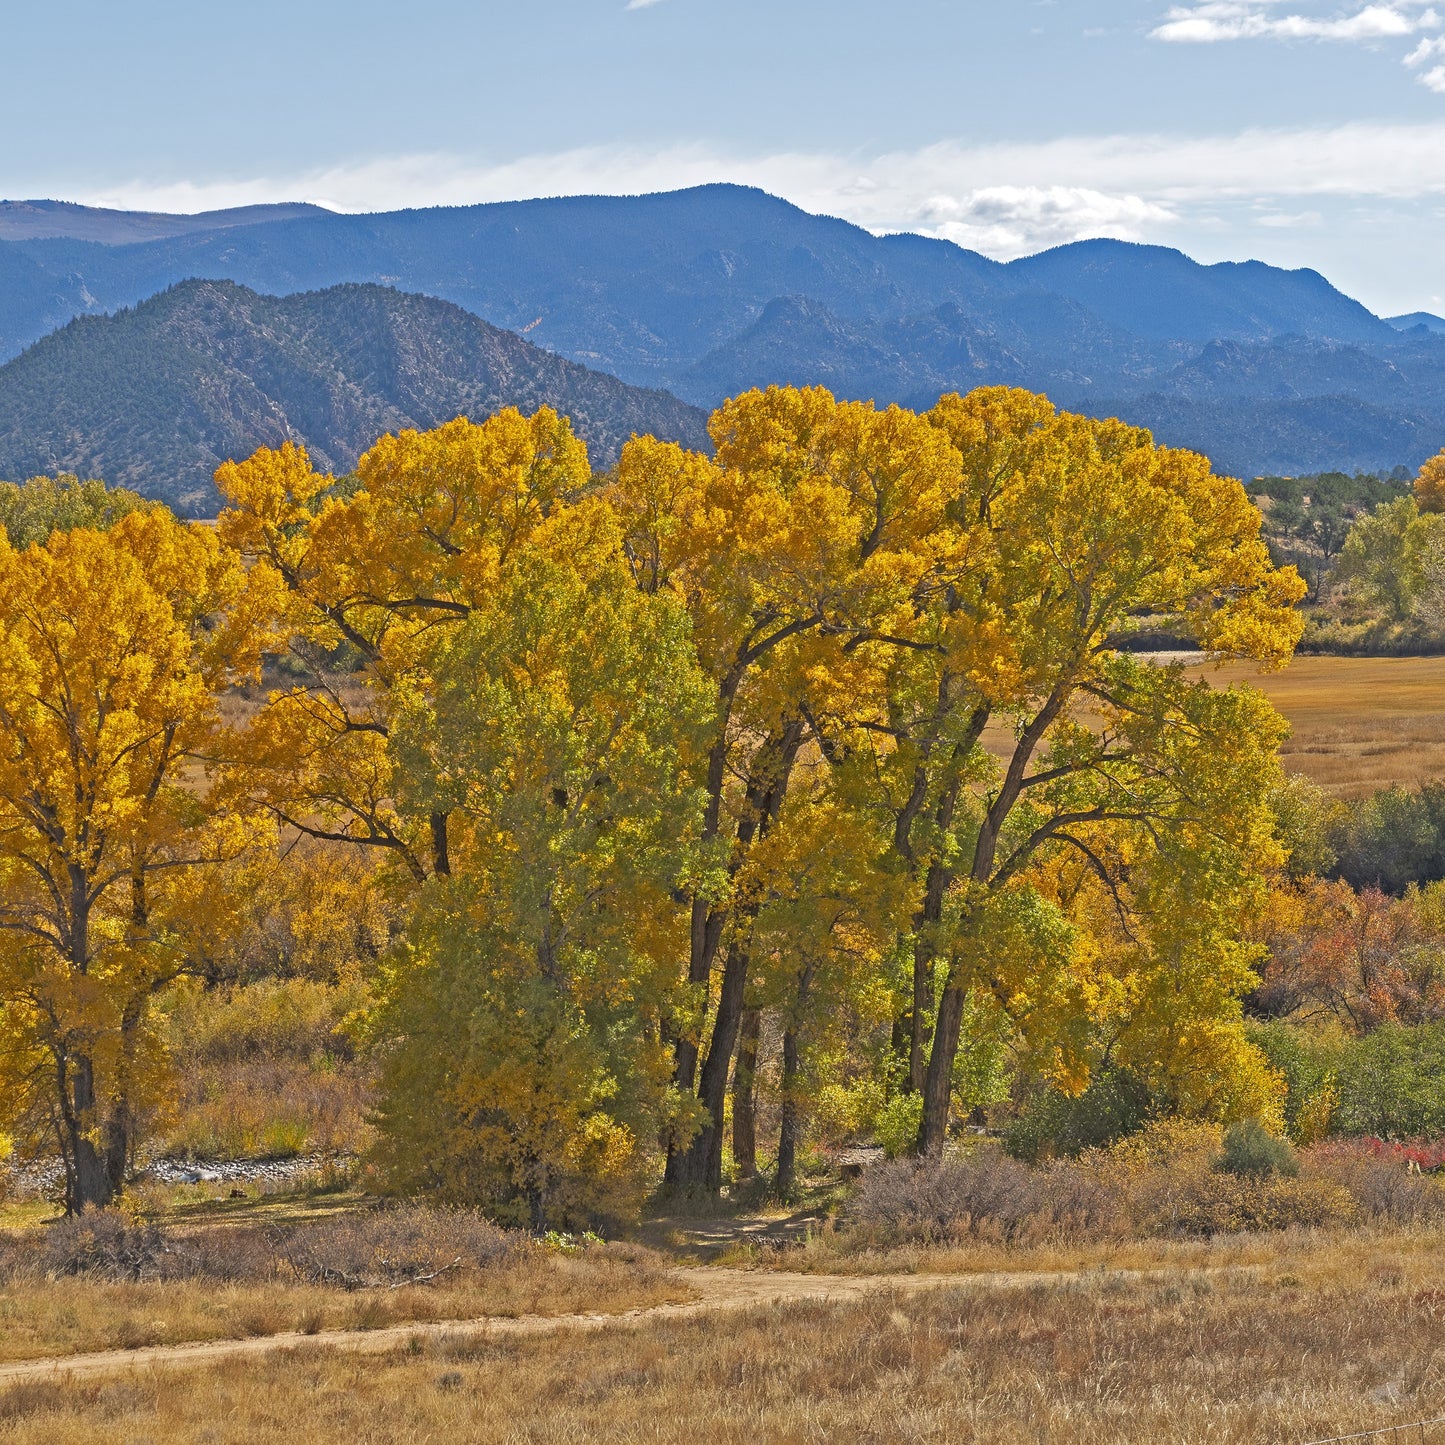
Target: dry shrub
[(390, 1246), (1170, 1182), (293, 1018), (1384, 1188), (381, 1247), (1165, 1181), (1212, 1202), (984, 1196)]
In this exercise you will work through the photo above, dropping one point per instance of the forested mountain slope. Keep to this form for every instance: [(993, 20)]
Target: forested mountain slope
[(155, 397)]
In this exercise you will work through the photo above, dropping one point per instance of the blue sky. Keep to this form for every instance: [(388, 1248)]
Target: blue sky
[(1302, 132)]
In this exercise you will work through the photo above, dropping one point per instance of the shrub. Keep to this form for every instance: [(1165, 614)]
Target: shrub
[(1389, 1083), (896, 1125), (295, 1018), (1117, 1103), (984, 1196), (1379, 1179), (380, 1247), (1393, 838), (392, 1246), (1217, 1203), (1252, 1152)]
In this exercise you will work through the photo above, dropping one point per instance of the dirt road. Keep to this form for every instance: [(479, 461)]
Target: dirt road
[(714, 1290)]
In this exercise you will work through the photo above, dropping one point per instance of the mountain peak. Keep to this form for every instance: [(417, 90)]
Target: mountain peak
[(1418, 319), (155, 397)]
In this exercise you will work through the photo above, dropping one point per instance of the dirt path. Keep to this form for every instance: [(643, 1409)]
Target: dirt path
[(716, 1290)]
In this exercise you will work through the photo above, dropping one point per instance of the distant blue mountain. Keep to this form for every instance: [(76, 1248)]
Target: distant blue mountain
[(48, 220), (1418, 318), (705, 292)]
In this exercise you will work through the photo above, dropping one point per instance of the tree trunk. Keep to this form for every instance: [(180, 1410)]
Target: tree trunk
[(95, 1174), (938, 1084), (441, 858), (745, 1133), (699, 1166), (787, 1176)]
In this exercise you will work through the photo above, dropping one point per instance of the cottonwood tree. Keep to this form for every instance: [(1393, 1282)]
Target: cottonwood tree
[(514, 735), (373, 577), (809, 529), (525, 1065), (109, 670), (1074, 528)]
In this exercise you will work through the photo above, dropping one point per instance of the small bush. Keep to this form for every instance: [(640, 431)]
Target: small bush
[(985, 1196), (406, 1244), (1379, 1178), (1219, 1203), (896, 1126), (1116, 1104), (1252, 1152), (391, 1246)]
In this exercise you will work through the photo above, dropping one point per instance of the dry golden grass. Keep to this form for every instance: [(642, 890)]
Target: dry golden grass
[(74, 1316), (1359, 723), (105, 1283), (1306, 1346)]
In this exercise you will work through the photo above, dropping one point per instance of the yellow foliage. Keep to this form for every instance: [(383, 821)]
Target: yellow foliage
[(107, 679), (839, 603), (1430, 485)]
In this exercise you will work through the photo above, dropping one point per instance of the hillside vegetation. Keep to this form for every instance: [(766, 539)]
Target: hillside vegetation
[(156, 398)]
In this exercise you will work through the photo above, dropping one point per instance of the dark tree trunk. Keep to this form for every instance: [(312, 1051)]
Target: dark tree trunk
[(441, 858), (788, 1132), (698, 1167), (95, 1173), (938, 1083), (745, 1128)]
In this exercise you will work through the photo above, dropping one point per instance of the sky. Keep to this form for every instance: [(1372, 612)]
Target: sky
[(1299, 132)]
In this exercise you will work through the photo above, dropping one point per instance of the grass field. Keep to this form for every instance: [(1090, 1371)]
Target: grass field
[(272, 1266), (1359, 723), (1319, 1342)]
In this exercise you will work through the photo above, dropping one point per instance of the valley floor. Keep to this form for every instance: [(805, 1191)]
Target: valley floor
[(1297, 1337)]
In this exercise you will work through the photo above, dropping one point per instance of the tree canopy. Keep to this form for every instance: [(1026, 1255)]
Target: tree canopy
[(829, 727)]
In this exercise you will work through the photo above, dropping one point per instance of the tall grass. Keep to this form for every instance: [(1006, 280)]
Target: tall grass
[(1235, 1356)]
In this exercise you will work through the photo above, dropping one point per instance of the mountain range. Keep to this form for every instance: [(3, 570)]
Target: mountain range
[(705, 292), (155, 397)]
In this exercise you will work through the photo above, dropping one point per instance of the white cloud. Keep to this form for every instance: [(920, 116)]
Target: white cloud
[(1422, 55), (641, 4), (1220, 20), (1009, 221)]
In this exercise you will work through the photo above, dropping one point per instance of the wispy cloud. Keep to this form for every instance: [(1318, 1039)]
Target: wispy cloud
[(641, 4), (1429, 53), (1219, 20), (1002, 199), (1214, 21)]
